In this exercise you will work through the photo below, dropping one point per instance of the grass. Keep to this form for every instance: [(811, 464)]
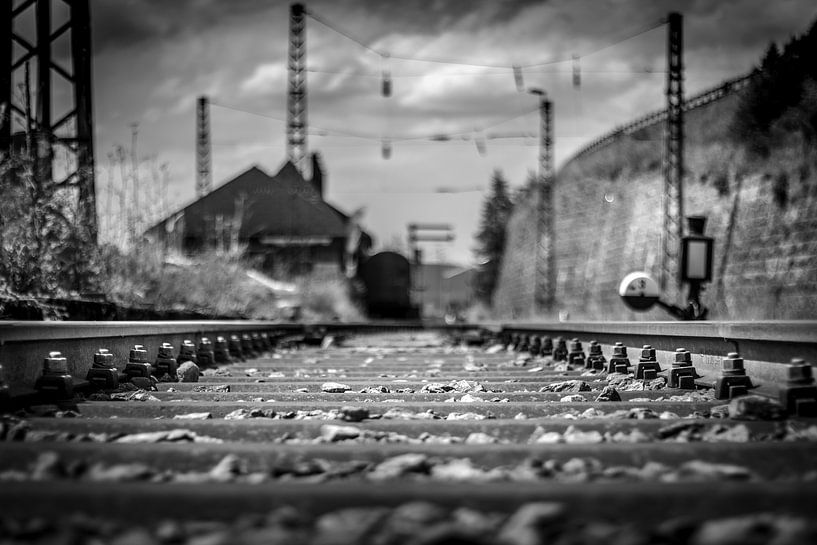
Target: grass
[(216, 284)]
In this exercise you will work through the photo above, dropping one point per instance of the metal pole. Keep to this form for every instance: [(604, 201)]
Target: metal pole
[(83, 98), (27, 91), (204, 178), (296, 96), (544, 296), (6, 49), (44, 152), (673, 196)]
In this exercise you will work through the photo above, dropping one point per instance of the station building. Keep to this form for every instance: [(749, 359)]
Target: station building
[(282, 220)]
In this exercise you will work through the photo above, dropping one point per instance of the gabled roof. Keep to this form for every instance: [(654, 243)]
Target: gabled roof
[(283, 204)]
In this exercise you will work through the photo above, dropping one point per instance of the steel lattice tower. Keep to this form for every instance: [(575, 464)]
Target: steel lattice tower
[(204, 159), (545, 274), (296, 96), (73, 130), (673, 198)]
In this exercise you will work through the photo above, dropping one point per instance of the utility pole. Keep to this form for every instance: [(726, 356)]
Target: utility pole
[(673, 196), (544, 288), (72, 129), (204, 161), (296, 95)]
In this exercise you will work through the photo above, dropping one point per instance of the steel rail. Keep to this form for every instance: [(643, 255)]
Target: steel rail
[(764, 344)]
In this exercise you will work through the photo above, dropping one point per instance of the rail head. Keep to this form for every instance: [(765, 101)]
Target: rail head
[(791, 331), (18, 331)]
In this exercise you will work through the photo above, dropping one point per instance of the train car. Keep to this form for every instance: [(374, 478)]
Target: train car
[(387, 280)]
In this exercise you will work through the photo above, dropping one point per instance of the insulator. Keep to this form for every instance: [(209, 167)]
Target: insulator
[(386, 74), (517, 77), (386, 83), (577, 72), (480, 142)]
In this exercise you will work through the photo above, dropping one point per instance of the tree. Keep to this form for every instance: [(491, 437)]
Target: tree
[(779, 100), (490, 238)]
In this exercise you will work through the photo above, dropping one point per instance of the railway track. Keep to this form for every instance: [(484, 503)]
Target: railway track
[(396, 433)]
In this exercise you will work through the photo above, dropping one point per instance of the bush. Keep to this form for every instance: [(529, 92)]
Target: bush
[(44, 246), (213, 283), (327, 299)]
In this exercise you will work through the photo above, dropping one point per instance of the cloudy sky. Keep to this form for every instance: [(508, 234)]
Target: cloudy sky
[(152, 58)]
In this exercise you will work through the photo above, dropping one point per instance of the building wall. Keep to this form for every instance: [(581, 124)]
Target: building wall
[(608, 222), (442, 288)]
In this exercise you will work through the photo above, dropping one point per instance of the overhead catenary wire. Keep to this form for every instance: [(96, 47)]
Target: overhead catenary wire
[(474, 133), (435, 136), (506, 66)]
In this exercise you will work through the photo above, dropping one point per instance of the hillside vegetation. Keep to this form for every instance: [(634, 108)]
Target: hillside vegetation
[(750, 168)]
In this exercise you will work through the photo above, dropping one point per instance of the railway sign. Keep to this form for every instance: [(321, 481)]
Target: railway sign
[(639, 291)]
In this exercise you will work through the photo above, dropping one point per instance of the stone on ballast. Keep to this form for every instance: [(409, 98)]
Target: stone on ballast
[(188, 372), (480, 438), (334, 388), (755, 407), (230, 467), (573, 398), (193, 416), (332, 433), (528, 525), (397, 466), (608, 393), (576, 436), (566, 386), (354, 414)]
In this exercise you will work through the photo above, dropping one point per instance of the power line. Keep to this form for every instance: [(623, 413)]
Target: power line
[(242, 110), (438, 136), (630, 35), (505, 71), (346, 35)]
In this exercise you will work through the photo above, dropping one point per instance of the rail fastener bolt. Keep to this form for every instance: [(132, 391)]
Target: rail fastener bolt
[(560, 350), (733, 381), (103, 374), (619, 362), (547, 346), (595, 358), (799, 395), (138, 365), (235, 348), (516, 340), (165, 362), (647, 367), (187, 352), (575, 356), (5, 391), (258, 344), (268, 342), (205, 353), (535, 345), (55, 380), (221, 351), (247, 347), (682, 375)]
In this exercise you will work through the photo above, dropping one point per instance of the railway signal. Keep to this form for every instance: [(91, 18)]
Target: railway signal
[(641, 292)]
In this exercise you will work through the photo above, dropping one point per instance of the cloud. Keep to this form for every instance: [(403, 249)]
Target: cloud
[(264, 78), (153, 57)]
